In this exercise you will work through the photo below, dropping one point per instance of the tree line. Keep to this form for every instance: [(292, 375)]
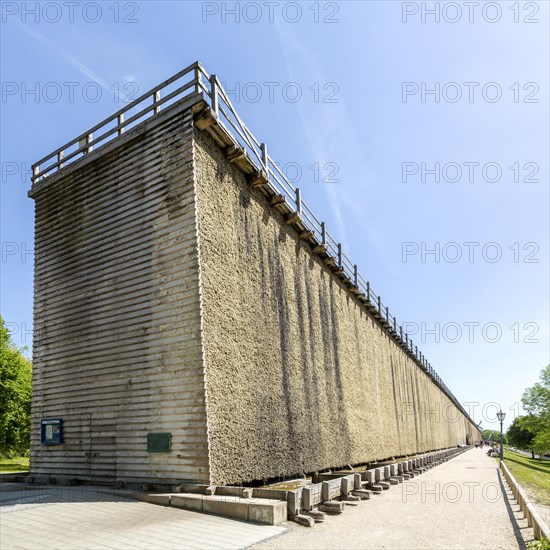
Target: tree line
[(531, 432), (15, 397)]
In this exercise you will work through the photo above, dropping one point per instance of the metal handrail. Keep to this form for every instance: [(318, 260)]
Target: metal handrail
[(257, 154)]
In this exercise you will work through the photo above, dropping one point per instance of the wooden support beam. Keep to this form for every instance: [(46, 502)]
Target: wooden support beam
[(306, 235), (233, 154), (330, 261), (204, 119), (320, 249), (292, 218), (258, 179), (277, 200)]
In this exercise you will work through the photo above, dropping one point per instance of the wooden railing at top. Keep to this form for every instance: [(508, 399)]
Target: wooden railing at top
[(195, 80)]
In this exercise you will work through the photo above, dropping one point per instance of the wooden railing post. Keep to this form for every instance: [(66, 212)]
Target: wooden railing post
[(197, 78), (339, 255), (83, 143), (323, 234), (120, 120), (214, 93), (60, 157), (298, 202), (156, 99), (265, 158)]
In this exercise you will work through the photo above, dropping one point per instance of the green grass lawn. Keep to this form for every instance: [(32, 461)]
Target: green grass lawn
[(531, 473), (17, 464)]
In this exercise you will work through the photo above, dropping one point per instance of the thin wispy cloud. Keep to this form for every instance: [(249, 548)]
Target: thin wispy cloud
[(86, 71), (327, 127)]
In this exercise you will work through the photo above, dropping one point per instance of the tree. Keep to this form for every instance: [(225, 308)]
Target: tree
[(494, 435), (15, 396), (519, 436), (536, 401)]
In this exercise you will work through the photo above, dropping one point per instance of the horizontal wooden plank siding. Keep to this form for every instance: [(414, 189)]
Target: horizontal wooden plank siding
[(117, 344)]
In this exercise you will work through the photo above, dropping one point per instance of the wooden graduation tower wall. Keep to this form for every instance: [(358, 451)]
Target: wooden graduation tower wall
[(195, 321)]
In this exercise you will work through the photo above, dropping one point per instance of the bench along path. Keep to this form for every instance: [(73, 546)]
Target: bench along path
[(460, 504)]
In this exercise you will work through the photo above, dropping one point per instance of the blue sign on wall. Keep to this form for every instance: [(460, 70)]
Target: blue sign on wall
[(51, 431)]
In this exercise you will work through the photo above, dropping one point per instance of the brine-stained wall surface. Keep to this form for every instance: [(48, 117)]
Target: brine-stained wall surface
[(299, 377), (117, 349)]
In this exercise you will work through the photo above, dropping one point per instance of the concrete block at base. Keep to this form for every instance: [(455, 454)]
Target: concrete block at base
[(273, 494), (294, 502), (384, 484), (374, 487), (187, 502), (347, 485), (317, 515), (311, 496), (227, 508), (241, 492), (363, 494), (331, 489), (199, 489), (267, 513), (332, 507), (306, 521)]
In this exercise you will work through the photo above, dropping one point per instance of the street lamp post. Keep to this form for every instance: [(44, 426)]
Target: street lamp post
[(500, 416)]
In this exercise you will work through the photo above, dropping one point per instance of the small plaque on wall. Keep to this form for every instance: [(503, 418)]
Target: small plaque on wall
[(158, 442), (51, 431)]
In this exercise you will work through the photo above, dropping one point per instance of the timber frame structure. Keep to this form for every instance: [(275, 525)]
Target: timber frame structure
[(215, 113), (195, 321)]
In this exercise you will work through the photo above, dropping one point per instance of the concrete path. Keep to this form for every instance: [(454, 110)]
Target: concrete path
[(78, 517), (459, 504)]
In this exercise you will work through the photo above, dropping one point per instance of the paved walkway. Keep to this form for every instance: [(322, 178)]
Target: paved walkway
[(459, 504), (75, 518)]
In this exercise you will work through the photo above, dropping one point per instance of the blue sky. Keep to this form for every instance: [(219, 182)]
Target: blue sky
[(340, 91)]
